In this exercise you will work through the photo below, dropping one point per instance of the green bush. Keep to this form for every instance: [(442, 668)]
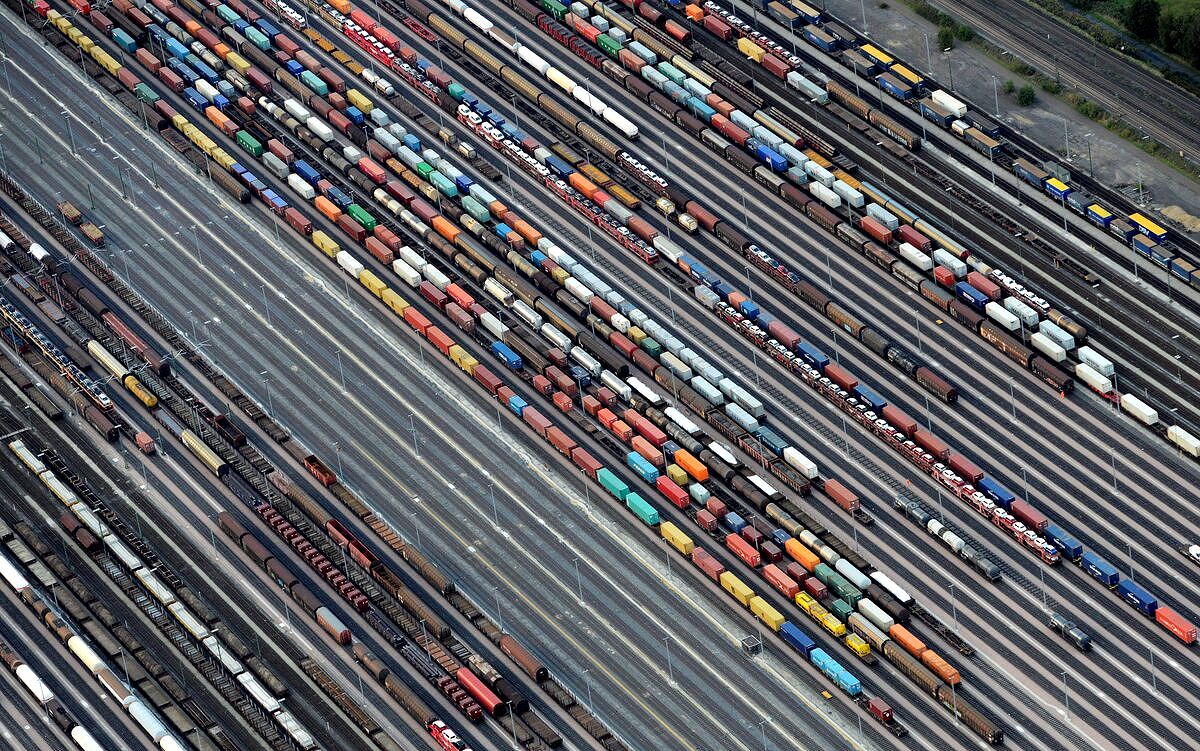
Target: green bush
[(1009, 86), (1141, 18), (945, 37), (1027, 95)]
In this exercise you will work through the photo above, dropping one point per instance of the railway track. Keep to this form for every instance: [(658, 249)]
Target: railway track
[(1134, 95)]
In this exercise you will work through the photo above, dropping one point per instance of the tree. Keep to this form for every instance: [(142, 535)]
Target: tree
[(945, 37), (1179, 33), (1027, 95), (1141, 18), (1009, 86)]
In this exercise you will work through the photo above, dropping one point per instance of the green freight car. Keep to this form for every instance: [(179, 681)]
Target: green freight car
[(653, 348), (362, 216), (424, 169), (456, 91), (476, 209), (612, 483), (608, 44), (249, 143), (841, 609), (642, 510), (145, 93), (228, 14), (310, 79), (554, 8), (258, 39), (444, 184)]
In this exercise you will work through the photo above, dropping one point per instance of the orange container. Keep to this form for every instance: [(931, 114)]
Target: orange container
[(498, 209), (941, 668), (525, 230), (695, 13), (606, 417), (328, 208), (905, 638), (621, 430), (802, 554), (444, 228), (691, 465), (582, 184)]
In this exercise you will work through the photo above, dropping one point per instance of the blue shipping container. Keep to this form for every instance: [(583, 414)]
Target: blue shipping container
[(355, 115), (997, 492), (558, 166), (1185, 272), (517, 404), (797, 638), (506, 355), (734, 522), (195, 99), (294, 68), (971, 296), (1068, 546), (812, 355), (643, 468), (1100, 569), (339, 197), (1139, 598), (310, 175), (772, 159), (873, 400)]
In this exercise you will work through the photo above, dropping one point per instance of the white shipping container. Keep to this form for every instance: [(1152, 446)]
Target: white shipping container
[(708, 391), (883, 216), (875, 614), (1144, 413), (825, 195), (296, 109), (741, 417), (848, 194), (1184, 440), (1065, 340), (1002, 316), (892, 587), (302, 188), (349, 263), (407, 273), (682, 420), (490, 322), (910, 253), (819, 173), (676, 366), (1088, 375), (1047, 346), (1028, 315), (319, 129), (1102, 364), (851, 572), (800, 462), (577, 288), (950, 103), (950, 261)]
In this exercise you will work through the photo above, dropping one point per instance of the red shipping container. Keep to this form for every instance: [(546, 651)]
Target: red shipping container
[(562, 401), (542, 384), (899, 420), (586, 462), (535, 420), (771, 552), (645, 427), (299, 222), (706, 563), (352, 228), (388, 238), (786, 585), (284, 154), (931, 443), (591, 405), (622, 430), (433, 294), (706, 520), (985, 285), (246, 104), (606, 396), (875, 229), (606, 417), (557, 356), (171, 79), (416, 319), (944, 276), (1026, 513), (965, 467), (752, 536), (648, 451), (559, 440), (1176, 624), (840, 376), (372, 170), (381, 252), (285, 43), (440, 339), (101, 21), (260, 80), (911, 236), (339, 121), (673, 492), (83, 6), (337, 101), (716, 507), (146, 58), (362, 19), (743, 550), (775, 66), (718, 26), (815, 587), (622, 343), (128, 78), (459, 295), (630, 61), (796, 572), (461, 318), (842, 495)]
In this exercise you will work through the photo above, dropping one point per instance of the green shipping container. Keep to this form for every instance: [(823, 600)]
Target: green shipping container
[(671, 72), (145, 93), (608, 44), (444, 184), (425, 169), (841, 609), (652, 347), (227, 13), (642, 510), (360, 215), (476, 209), (319, 87), (258, 39), (847, 591), (824, 573), (612, 483), (555, 8), (456, 91), (249, 143)]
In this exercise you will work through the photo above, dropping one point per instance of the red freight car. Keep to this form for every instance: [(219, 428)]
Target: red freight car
[(842, 495), (742, 549), (706, 563), (673, 492)]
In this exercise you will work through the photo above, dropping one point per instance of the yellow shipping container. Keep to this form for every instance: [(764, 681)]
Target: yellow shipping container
[(237, 62), (355, 67), (463, 359), (750, 49), (325, 243), (676, 537), (356, 97), (765, 613), (636, 335), (833, 625), (858, 645), (677, 474), (373, 283), (736, 587), (394, 301), (87, 45), (804, 601)]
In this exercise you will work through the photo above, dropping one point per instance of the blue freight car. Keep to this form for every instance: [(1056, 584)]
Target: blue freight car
[(641, 467), (971, 296), (792, 635), (310, 175), (1068, 546), (997, 492), (812, 355), (872, 400), (1139, 598), (507, 355), (1100, 569)]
